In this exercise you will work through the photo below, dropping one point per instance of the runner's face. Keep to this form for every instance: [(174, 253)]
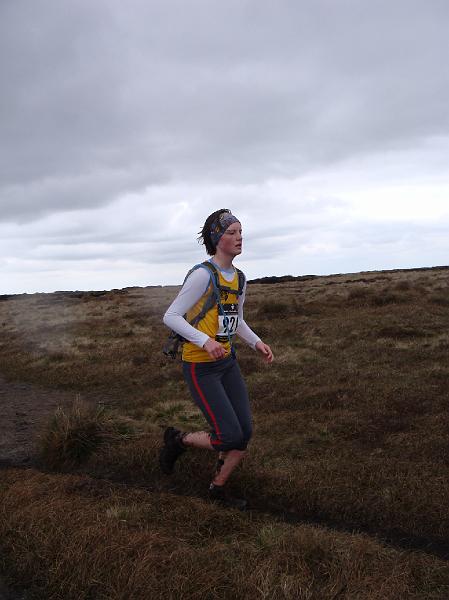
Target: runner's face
[(231, 241)]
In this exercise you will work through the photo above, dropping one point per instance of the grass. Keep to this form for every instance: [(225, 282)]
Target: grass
[(112, 542), (350, 435), (73, 434)]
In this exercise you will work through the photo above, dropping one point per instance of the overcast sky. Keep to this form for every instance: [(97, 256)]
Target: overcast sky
[(322, 124)]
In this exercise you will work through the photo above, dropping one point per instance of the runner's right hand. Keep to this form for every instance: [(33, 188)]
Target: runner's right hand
[(214, 349)]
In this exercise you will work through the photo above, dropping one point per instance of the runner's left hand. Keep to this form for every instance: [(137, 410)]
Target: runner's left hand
[(265, 351)]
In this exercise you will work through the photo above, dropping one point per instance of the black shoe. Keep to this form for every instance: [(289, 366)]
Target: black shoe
[(219, 494), (172, 448)]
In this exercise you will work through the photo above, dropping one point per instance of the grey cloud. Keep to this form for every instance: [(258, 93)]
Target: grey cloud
[(135, 252), (225, 92), (123, 124), (24, 203)]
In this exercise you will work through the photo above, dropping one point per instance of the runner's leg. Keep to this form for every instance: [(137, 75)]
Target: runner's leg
[(232, 460), (207, 389), (197, 439), (237, 393), (204, 381)]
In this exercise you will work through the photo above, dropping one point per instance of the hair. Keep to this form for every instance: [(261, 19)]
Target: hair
[(204, 235)]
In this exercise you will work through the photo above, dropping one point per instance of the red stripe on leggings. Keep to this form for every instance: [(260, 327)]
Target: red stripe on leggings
[(208, 408)]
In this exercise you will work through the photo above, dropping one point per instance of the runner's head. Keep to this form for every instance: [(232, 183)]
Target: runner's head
[(214, 227)]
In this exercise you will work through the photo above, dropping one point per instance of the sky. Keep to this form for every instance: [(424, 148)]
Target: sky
[(322, 124)]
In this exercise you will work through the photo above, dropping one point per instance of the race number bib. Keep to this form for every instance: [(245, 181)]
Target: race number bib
[(227, 322)]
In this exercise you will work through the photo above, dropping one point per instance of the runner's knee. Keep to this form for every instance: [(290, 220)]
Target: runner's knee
[(234, 441), (232, 446), (240, 441)]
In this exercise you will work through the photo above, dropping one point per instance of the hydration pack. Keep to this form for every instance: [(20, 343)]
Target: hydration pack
[(171, 347)]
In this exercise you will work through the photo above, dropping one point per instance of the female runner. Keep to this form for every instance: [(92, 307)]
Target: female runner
[(208, 360)]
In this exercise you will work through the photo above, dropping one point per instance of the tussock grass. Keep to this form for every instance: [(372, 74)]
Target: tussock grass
[(364, 296), (442, 298), (274, 309), (73, 434)]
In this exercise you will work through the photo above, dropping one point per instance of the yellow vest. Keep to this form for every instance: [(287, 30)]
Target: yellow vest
[(212, 324)]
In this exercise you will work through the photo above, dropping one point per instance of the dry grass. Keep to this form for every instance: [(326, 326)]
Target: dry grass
[(73, 537), (351, 430), (73, 434)]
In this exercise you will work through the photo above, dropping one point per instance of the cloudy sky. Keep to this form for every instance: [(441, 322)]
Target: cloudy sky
[(322, 124)]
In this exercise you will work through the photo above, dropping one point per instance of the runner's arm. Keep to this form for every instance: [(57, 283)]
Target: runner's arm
[(243, 330), (192, 290)]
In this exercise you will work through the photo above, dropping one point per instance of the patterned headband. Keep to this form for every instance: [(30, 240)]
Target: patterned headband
[(220, 225)]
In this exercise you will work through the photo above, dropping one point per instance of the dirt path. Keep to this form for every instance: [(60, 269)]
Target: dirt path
[(24, 408)]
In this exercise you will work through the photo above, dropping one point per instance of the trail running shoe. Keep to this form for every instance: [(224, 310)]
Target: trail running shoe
[(219, 494), (172, 448)]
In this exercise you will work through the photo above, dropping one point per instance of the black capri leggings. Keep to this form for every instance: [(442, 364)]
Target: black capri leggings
[(219, 391)]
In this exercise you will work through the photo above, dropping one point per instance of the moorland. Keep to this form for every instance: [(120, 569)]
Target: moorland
[(346, 475)]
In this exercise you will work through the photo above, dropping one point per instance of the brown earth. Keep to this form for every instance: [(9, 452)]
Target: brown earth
[(25, 408)]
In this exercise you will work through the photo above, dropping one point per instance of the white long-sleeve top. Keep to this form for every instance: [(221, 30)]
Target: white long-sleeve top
[(194, 287)]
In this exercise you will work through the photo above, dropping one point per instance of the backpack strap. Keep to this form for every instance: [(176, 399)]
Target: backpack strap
[(211, 299), (214, 296), (221, 310), (242, 280)]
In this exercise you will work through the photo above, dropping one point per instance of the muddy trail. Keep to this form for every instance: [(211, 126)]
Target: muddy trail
[(24, 408)]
